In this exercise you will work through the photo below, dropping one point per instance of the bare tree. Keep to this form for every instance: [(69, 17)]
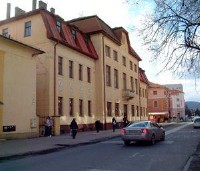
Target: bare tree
[(172, 33)]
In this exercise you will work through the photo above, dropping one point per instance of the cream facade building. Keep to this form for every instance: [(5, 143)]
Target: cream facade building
[(88, 74), (17, 89)]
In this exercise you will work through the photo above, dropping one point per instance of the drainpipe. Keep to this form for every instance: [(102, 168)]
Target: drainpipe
[(104, 86), (139, 93), (55, 80)]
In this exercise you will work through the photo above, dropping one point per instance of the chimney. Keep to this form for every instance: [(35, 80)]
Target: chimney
[(52, 10), (19, 11), (8, 10), (42, 5), (34, 4)]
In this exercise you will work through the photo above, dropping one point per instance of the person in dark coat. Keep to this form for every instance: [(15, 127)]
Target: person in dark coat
[(74, 128), (114, 124), (97, 125), (125, 121), (48, 127)]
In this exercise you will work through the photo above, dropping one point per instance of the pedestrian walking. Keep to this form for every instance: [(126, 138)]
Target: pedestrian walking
[(74, 128), (125, 121), (49, 124), (97, 125), (114, 124)]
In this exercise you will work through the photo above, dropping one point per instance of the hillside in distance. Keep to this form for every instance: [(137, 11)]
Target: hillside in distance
[(193, 105)]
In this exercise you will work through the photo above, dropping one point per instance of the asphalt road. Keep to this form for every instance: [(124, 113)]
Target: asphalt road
[(112, 155)]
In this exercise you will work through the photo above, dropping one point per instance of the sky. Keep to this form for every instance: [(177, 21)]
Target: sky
[(116, 13)]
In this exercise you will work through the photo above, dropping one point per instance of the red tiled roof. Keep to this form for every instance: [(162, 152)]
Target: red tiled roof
[(65, 37), (155, 85), (175, 92), (143, 76), (93, 24)]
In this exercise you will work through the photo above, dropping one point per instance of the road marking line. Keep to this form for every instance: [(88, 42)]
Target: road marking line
[(176, 129)]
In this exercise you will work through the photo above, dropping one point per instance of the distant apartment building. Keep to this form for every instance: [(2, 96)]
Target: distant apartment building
[(158, 102), (177, 100), (17, 89), (89, 70)]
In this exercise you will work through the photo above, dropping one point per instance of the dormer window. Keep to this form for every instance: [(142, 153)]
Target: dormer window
[(86, 40), (5, 32), (58, 26), (74, 34), (27, 31)]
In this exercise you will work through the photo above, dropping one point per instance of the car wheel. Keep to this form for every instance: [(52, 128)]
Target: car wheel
[(163, 137), (127, 143), (153, 140)]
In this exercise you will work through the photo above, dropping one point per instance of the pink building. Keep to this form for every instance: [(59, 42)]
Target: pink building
[(177, 104)]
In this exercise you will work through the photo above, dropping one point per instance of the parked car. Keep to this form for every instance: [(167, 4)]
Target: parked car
[(194, 117), (146, 131), (196, 123)]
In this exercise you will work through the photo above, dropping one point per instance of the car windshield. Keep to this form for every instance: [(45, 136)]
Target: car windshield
[(138, 124), (197, 120)]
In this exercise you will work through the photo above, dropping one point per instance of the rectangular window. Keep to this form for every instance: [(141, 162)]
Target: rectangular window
[(74, 34), (60, 72), (116, 80), (133, 110), (154, 92), (71, 69), (155, 104), (27, 30), (125, 110), (60, 106), (107, 50), (116, 109), (124, 60), (89, 108), (71, 107), (136, 86), (131, 65), (141, 111), (80, 107), (80, 72), (109, 109), (58, 26), (135, 66), (115, 55), (108, 75), (132, 84), (137, 111), (88, 75), (5, 32), (124, 81)]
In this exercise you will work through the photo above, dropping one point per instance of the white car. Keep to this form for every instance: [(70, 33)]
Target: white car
[(196, 123)]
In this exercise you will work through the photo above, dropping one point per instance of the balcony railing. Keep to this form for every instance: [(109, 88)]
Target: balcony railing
[(127, 93)]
